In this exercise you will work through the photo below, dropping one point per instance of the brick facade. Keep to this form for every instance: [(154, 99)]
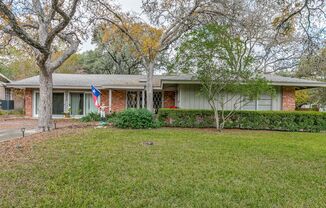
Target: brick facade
[(118, 100), (288, 98), (169, 99), (28, 102), (105, 97)]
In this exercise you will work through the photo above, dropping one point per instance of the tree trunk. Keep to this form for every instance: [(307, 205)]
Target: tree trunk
[(217, 120), (216, 116), (149, 86), (45, 105)]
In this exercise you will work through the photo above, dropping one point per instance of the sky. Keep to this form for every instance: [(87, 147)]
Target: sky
[(126, 5)]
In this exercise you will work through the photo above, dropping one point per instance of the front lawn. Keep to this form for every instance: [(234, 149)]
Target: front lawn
[(184, 168)]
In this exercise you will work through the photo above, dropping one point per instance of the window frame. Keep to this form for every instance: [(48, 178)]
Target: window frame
[(34, 107)]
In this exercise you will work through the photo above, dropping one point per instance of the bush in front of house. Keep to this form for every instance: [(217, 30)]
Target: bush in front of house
[(135, 119), (91, 117), (18, 112), (263, 120)]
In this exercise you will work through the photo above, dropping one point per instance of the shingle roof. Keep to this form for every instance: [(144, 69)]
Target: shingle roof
[(84, 81)]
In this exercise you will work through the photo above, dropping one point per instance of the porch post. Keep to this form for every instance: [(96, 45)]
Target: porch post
[(110, 100), (143, 99)]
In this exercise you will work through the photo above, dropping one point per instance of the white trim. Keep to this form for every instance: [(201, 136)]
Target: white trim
[(34, 103), (84, 97), (143, 99), (66, 102), (110, 100)]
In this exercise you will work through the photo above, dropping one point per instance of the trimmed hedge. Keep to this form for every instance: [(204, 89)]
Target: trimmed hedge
[(263, 120)]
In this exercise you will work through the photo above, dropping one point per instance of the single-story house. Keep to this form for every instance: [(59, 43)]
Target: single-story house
[(9, 99), (73, 92)]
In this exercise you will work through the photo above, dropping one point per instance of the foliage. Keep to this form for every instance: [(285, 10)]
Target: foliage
[(302, 97), (147, 37), (114, 54), (91, 117), (48, 30), (164, 24), (17, 65), (222, 64), (184, 168), (135, 119), (72, 65), (11, 112), (267, 120), (314, 67), (99, 61)]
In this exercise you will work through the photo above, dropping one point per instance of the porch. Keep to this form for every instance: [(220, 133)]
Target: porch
[(79, 102)]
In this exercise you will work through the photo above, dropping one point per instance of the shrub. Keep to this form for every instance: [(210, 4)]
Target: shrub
[(135, 119), (91, 117), (18, 112), (264, 120)]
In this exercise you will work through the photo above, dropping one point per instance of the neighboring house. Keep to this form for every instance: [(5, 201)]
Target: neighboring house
[(128, 91), (9, 99), (6, 102)]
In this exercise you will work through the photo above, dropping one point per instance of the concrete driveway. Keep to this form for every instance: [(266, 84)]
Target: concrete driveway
[(6, 134)]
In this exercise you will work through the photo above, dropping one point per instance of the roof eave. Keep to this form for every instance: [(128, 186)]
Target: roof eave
[(295, 84)]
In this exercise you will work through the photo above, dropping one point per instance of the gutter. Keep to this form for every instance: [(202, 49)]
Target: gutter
[(292, 84), (83, 87)]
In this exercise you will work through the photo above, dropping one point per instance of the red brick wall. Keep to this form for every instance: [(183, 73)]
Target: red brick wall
[(105, 97), (169, 99), (288, 98), (28, 98), (118, 100)]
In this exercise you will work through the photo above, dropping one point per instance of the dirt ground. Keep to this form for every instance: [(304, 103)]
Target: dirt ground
[(10, 127), (28, 123)]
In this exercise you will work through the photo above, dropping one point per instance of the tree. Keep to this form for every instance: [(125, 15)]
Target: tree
[(45, 27), (222, 64), (169, 21), (314, 67), (72, 65), (114, 53), (302, 97)]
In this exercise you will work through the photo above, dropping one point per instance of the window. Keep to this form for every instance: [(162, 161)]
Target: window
[(89, 104), (133, 99), (157, 100), (77, 103), (57, 104), (263, 103), (7, 94)]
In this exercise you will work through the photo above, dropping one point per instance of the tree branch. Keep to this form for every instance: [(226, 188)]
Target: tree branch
[(19, 32), (74, 43), (66, 19)]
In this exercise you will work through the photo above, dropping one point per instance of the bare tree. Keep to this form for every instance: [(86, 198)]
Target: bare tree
[(166, 22), (277, 42), (44, 27)]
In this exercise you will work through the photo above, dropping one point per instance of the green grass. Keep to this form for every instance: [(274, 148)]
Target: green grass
[(184, 168)]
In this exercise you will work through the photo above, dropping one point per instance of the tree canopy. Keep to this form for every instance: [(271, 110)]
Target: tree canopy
[(222, 63)]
